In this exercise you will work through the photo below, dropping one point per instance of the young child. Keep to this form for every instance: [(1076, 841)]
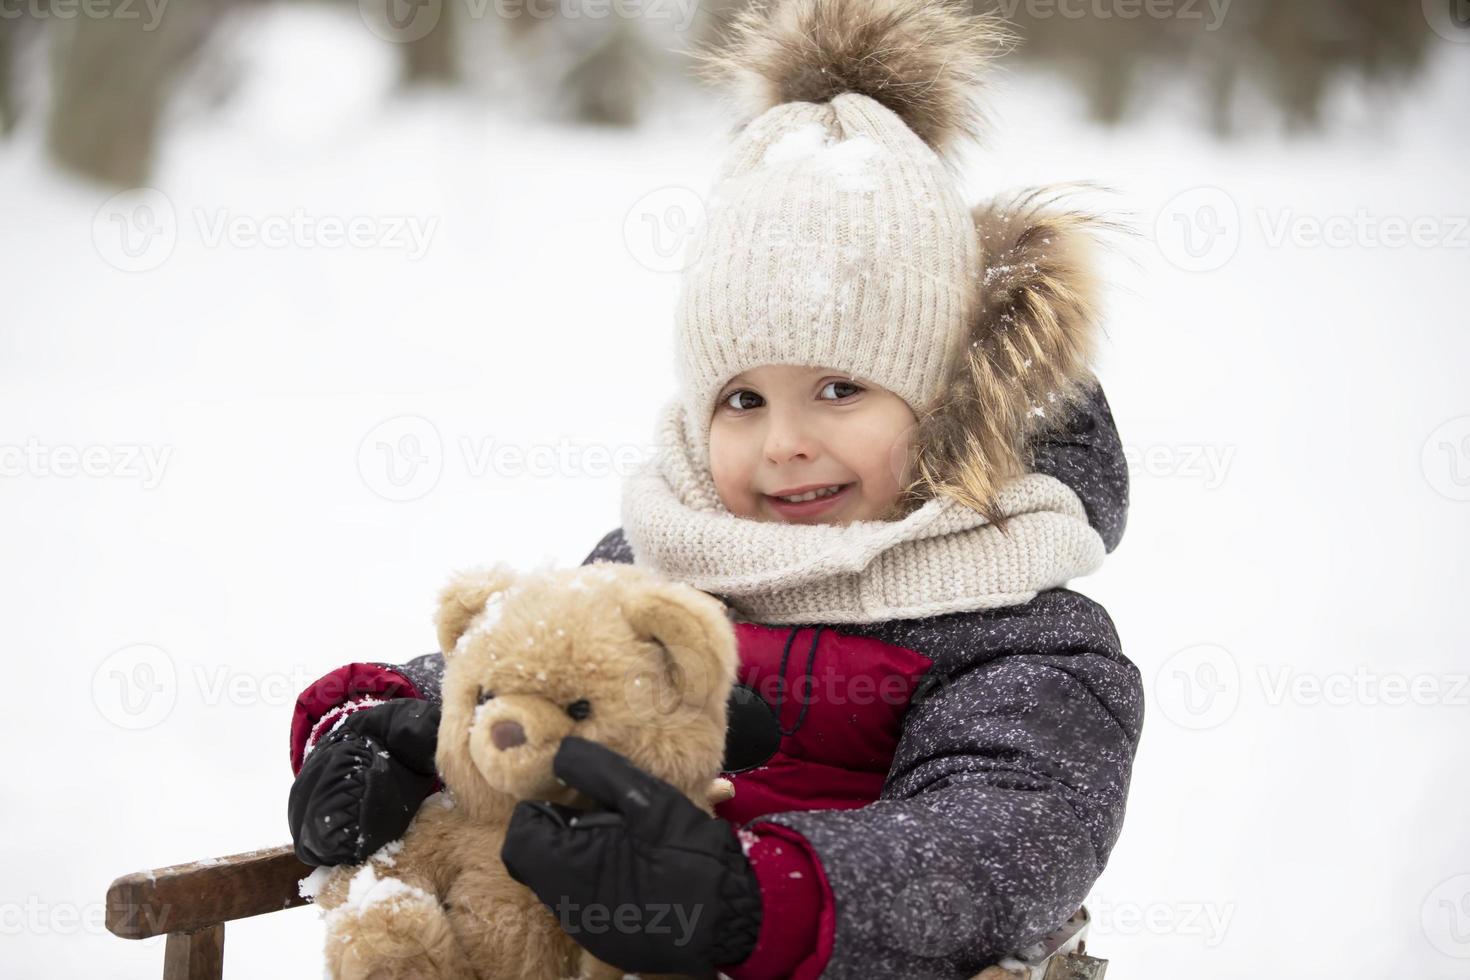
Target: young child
[(887, 456)]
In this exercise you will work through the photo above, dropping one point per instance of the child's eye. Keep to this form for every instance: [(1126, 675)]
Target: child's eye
[(845, 384), (580, 709), (484, 696), (737, 394)]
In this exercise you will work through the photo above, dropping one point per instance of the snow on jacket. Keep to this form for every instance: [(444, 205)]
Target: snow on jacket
[(946, 789)]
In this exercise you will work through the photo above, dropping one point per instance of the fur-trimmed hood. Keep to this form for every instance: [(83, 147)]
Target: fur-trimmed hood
[(1029, 352)]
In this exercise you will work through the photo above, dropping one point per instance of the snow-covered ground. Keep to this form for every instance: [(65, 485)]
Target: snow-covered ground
[(256, 455)]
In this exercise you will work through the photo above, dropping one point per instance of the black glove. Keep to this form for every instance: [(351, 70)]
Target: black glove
[(363, 782), (651, 884), (753, 734)]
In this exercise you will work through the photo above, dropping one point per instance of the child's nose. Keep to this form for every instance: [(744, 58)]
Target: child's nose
[(787, 437)]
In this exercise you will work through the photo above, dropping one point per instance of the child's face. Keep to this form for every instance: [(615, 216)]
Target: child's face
[(784, 427)]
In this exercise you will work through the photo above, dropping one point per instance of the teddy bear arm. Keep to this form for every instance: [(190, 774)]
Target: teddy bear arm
[(404, 936), (387, 917)]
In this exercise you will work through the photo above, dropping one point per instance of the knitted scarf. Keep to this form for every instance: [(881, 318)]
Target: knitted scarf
[(942, 557)]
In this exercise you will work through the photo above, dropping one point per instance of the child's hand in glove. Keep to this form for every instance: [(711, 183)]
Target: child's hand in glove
[(694, 900), (362, 783)]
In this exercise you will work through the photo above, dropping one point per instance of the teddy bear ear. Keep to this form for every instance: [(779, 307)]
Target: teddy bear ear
[(467, 597), (695, 628)]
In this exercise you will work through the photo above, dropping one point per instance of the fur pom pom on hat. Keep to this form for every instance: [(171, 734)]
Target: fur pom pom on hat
[(836, 235), (920, 59)]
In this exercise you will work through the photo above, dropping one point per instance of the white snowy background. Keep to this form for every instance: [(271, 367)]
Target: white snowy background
[(324, 432)]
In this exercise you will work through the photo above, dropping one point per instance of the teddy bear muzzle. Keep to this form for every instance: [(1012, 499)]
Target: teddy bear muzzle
[(507, 735), (512, 749)]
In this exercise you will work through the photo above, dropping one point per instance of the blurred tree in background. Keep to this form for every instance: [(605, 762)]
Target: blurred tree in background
[(8, 109), (109, 74), (109, 79), (1291, 50)]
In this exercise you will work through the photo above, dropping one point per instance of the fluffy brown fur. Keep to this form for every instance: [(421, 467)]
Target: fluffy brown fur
[(920, 58), (655, 659), (1026, 356)]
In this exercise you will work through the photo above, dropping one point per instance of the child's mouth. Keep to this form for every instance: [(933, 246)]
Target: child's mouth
[(821, 500)]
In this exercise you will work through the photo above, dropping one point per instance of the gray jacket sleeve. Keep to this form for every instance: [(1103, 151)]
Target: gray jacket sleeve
[(1003, 801)]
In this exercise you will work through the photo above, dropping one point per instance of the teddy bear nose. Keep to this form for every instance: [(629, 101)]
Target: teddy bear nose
[(507, 734)]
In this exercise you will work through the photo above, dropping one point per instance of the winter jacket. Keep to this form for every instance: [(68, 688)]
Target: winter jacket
[(946, 789)]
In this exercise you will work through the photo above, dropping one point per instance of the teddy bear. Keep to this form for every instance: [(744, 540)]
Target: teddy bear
[(607, 652)]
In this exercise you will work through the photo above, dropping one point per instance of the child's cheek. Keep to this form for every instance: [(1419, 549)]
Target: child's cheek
[(731, 481)]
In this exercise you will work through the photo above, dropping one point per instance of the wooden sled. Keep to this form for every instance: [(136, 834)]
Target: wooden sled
[(190, 904)]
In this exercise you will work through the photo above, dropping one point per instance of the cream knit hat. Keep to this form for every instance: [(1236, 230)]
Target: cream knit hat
[(835, 234)]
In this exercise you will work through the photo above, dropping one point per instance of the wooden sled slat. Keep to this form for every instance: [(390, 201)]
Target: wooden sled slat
[(187, 898), (190, 903)]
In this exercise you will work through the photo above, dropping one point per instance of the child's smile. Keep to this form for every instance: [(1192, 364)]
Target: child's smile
[(796, 503)]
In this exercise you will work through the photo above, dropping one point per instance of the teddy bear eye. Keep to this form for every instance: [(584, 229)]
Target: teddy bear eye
[(579, 709), (484, 696)]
